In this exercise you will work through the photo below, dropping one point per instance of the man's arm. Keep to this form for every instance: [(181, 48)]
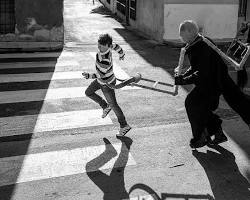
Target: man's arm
[(200, 70), (189, 77)]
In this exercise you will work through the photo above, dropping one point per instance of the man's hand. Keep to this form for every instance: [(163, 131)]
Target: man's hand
[(178, 80), (86, 75), (177, 71)]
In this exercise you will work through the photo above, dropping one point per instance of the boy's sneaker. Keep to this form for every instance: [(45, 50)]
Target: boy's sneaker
[(123, 131), (106, 111)]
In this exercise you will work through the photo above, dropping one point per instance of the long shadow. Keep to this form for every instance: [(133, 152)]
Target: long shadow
[(164, 196), (227, 183), (112, 185), (14, 141), (105, 12), (165, 57)]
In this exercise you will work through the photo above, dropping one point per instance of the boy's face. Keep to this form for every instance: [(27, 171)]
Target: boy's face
[(103, 48)]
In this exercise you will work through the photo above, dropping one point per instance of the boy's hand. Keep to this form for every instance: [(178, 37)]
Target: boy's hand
[(86, 75), (122, 57)]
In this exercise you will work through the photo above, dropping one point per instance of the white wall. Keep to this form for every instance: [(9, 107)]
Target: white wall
[(218, 21)]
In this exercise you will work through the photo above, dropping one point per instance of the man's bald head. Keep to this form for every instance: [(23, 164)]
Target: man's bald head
[(188, 31)]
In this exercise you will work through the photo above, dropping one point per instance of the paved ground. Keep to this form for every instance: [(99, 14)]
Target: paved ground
[(54, 145)]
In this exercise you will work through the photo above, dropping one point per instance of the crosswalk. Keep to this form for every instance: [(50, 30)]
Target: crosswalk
[(36, 97)]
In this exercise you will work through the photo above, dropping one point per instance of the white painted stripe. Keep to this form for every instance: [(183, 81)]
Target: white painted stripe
[(38, 64), (47, 94), (19, 125), (118, 71), (32, 167), (144, 197), (42, 94), (5, 78), (38, 55)]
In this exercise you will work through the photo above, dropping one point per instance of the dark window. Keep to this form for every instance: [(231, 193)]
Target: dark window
[(132, 9), (108, 1), (7, 16), (242, 8), (121, 6)]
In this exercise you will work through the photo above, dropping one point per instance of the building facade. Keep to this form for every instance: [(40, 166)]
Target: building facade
[(160, 19), (29, 24)]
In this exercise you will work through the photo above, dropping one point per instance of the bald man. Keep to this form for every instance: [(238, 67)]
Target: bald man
[(209, 74), (204, 98)]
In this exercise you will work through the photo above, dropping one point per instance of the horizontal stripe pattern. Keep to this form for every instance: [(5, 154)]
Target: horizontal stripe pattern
[(26, 124), (47, 94), (54, 164), (15, 121), (201, 2), (40, 76), (17, 65)]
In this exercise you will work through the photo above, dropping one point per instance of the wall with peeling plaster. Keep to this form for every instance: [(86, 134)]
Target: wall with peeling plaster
[(37, 21)]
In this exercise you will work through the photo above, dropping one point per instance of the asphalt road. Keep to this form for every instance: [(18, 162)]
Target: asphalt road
[(54, 144)]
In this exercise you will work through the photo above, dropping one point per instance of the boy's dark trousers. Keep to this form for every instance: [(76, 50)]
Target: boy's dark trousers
[(110, 97), (199, 107)]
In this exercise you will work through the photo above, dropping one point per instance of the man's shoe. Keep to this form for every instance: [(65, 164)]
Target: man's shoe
[(123, 131), (194, 143), (219, 139), (106, 111), (198, 143)]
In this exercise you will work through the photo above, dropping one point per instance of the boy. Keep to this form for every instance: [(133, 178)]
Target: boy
[(104, 74)]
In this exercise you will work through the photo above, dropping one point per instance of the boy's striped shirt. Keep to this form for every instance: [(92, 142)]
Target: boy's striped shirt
[(104, 64)]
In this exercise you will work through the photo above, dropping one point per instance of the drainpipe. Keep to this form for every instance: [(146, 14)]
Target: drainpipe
[(127, 12)]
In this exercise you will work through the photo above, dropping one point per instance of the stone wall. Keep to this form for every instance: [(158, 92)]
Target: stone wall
[(37, 21)]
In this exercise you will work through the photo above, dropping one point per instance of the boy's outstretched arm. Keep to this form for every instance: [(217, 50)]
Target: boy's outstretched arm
[(119, 50), (90, 75)]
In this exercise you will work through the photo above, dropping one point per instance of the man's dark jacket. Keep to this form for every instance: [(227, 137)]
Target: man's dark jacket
[(206, 68)]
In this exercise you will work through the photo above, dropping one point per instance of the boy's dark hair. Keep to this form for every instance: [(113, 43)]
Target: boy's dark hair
[(105, 39)]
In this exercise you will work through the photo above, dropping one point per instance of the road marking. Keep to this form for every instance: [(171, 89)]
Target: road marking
[(143, 197), (5, 78), (20, 125), (38, 55), (38, 64), (32, 167), (46, 94), (180, 109)]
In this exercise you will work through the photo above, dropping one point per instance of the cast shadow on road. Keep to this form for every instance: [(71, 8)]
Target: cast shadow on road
[(112, 185), (227, 182), (104, 11), (166, 58), (165, 196), (17, 143)]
